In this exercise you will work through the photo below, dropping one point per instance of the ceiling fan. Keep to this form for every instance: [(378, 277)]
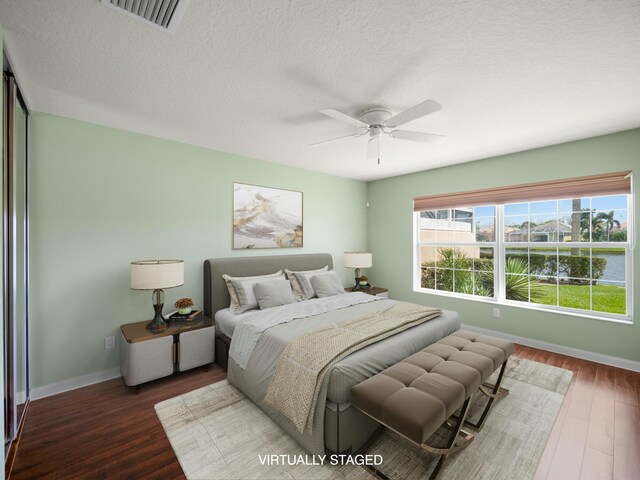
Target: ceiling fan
[(378, 121)]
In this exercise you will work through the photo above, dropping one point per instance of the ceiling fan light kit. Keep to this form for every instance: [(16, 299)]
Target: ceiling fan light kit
[(375, 116), (378, 121)]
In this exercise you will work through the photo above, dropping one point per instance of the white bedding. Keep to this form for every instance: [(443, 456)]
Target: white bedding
[(226, 321), (249, 326)]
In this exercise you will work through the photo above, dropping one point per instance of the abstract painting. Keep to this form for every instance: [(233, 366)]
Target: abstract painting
[(265, 217)]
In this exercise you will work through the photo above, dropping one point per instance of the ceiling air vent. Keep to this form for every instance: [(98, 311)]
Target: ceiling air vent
[(164, 14)]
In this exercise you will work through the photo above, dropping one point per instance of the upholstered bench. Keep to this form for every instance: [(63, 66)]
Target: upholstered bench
[(416, 396)]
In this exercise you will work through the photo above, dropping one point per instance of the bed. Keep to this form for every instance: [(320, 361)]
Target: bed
[(337, 426)]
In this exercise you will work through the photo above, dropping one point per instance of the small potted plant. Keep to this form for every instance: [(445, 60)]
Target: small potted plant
[(184, 306)]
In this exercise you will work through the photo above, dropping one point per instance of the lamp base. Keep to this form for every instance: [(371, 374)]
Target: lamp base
[(155, 326), (158, 324), (357, 287)]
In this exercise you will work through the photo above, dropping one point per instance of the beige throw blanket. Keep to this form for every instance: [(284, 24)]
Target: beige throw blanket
[(305, 361)]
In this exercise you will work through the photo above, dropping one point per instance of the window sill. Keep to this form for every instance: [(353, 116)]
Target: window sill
[(623, 319)]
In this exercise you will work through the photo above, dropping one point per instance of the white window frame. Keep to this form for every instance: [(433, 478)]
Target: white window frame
[(500, 247)]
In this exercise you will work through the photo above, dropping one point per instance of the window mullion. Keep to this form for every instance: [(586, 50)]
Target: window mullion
[(417, 276), (499, 257), (590, 280), (629, 279)]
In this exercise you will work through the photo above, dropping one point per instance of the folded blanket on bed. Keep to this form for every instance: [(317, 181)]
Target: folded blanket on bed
[(298, 376)]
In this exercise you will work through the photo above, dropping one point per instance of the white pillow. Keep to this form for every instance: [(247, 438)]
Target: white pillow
[(241, 290), (273, 293), (327, 284), (300, 284)]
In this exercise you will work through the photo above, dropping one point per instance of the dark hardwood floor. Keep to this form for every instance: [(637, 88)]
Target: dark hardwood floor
[(104, 430), (108, 431)]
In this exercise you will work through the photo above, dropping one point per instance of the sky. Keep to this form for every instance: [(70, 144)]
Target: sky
[(607, 203)]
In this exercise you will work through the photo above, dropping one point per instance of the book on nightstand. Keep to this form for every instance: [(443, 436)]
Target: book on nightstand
[(189, 317)]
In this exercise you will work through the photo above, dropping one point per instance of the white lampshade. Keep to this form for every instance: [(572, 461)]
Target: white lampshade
[(156, 274), (358, 259)]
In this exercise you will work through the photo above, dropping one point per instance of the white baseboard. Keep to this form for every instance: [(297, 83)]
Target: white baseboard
[(73, 383), (561, 349)]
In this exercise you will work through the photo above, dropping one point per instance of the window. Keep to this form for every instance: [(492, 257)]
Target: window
[(457, 249), (570, 255)]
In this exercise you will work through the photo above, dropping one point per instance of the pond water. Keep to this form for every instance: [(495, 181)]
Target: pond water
[(614, 270)]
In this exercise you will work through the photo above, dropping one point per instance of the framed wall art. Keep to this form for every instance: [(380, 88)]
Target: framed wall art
[(265, 217)]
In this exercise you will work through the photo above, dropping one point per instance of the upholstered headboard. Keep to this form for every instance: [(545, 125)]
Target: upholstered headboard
[(216, 296)]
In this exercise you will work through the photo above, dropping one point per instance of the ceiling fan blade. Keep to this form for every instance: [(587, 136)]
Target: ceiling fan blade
[(417, 136), (334, 139), (373, 149), (417, 111), (344, 118)]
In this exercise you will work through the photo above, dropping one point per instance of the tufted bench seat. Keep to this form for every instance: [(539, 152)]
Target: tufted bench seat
[(416, 396)]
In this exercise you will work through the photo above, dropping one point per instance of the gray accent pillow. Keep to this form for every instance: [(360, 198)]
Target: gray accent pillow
[(326, 284), (241, 290), (273, 293), (302, 288)]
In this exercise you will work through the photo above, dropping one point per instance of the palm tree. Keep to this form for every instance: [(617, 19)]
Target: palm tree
[(576, 224), (518, 285), (581, 221), (588, 220), (608, 220)]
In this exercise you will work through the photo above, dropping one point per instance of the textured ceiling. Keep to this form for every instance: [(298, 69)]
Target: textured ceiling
[(248, 76)]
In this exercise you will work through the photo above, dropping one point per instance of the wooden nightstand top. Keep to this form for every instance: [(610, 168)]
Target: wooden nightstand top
[(137, 332), (370, 290)]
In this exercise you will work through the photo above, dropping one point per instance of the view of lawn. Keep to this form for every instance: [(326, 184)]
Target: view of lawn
[(606, 298)]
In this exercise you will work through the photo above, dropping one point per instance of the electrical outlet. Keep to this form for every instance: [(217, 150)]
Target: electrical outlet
[(496, 312), (109, 342)]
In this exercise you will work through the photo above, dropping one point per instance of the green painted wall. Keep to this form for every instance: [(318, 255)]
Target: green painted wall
[(102, 197), (391, 236)]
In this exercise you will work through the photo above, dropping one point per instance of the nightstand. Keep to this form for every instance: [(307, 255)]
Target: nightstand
[(376, 291), (146, 356)]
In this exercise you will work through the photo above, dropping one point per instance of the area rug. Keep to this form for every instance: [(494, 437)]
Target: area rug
[(217, 433)]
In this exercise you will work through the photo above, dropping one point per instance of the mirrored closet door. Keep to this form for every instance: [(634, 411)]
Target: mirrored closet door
[(15, 236)]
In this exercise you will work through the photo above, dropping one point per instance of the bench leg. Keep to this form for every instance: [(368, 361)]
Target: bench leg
[(493, 392), (451, 445)]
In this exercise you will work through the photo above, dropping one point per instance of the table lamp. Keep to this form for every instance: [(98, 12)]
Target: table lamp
[(358, 260), (156, 275)]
